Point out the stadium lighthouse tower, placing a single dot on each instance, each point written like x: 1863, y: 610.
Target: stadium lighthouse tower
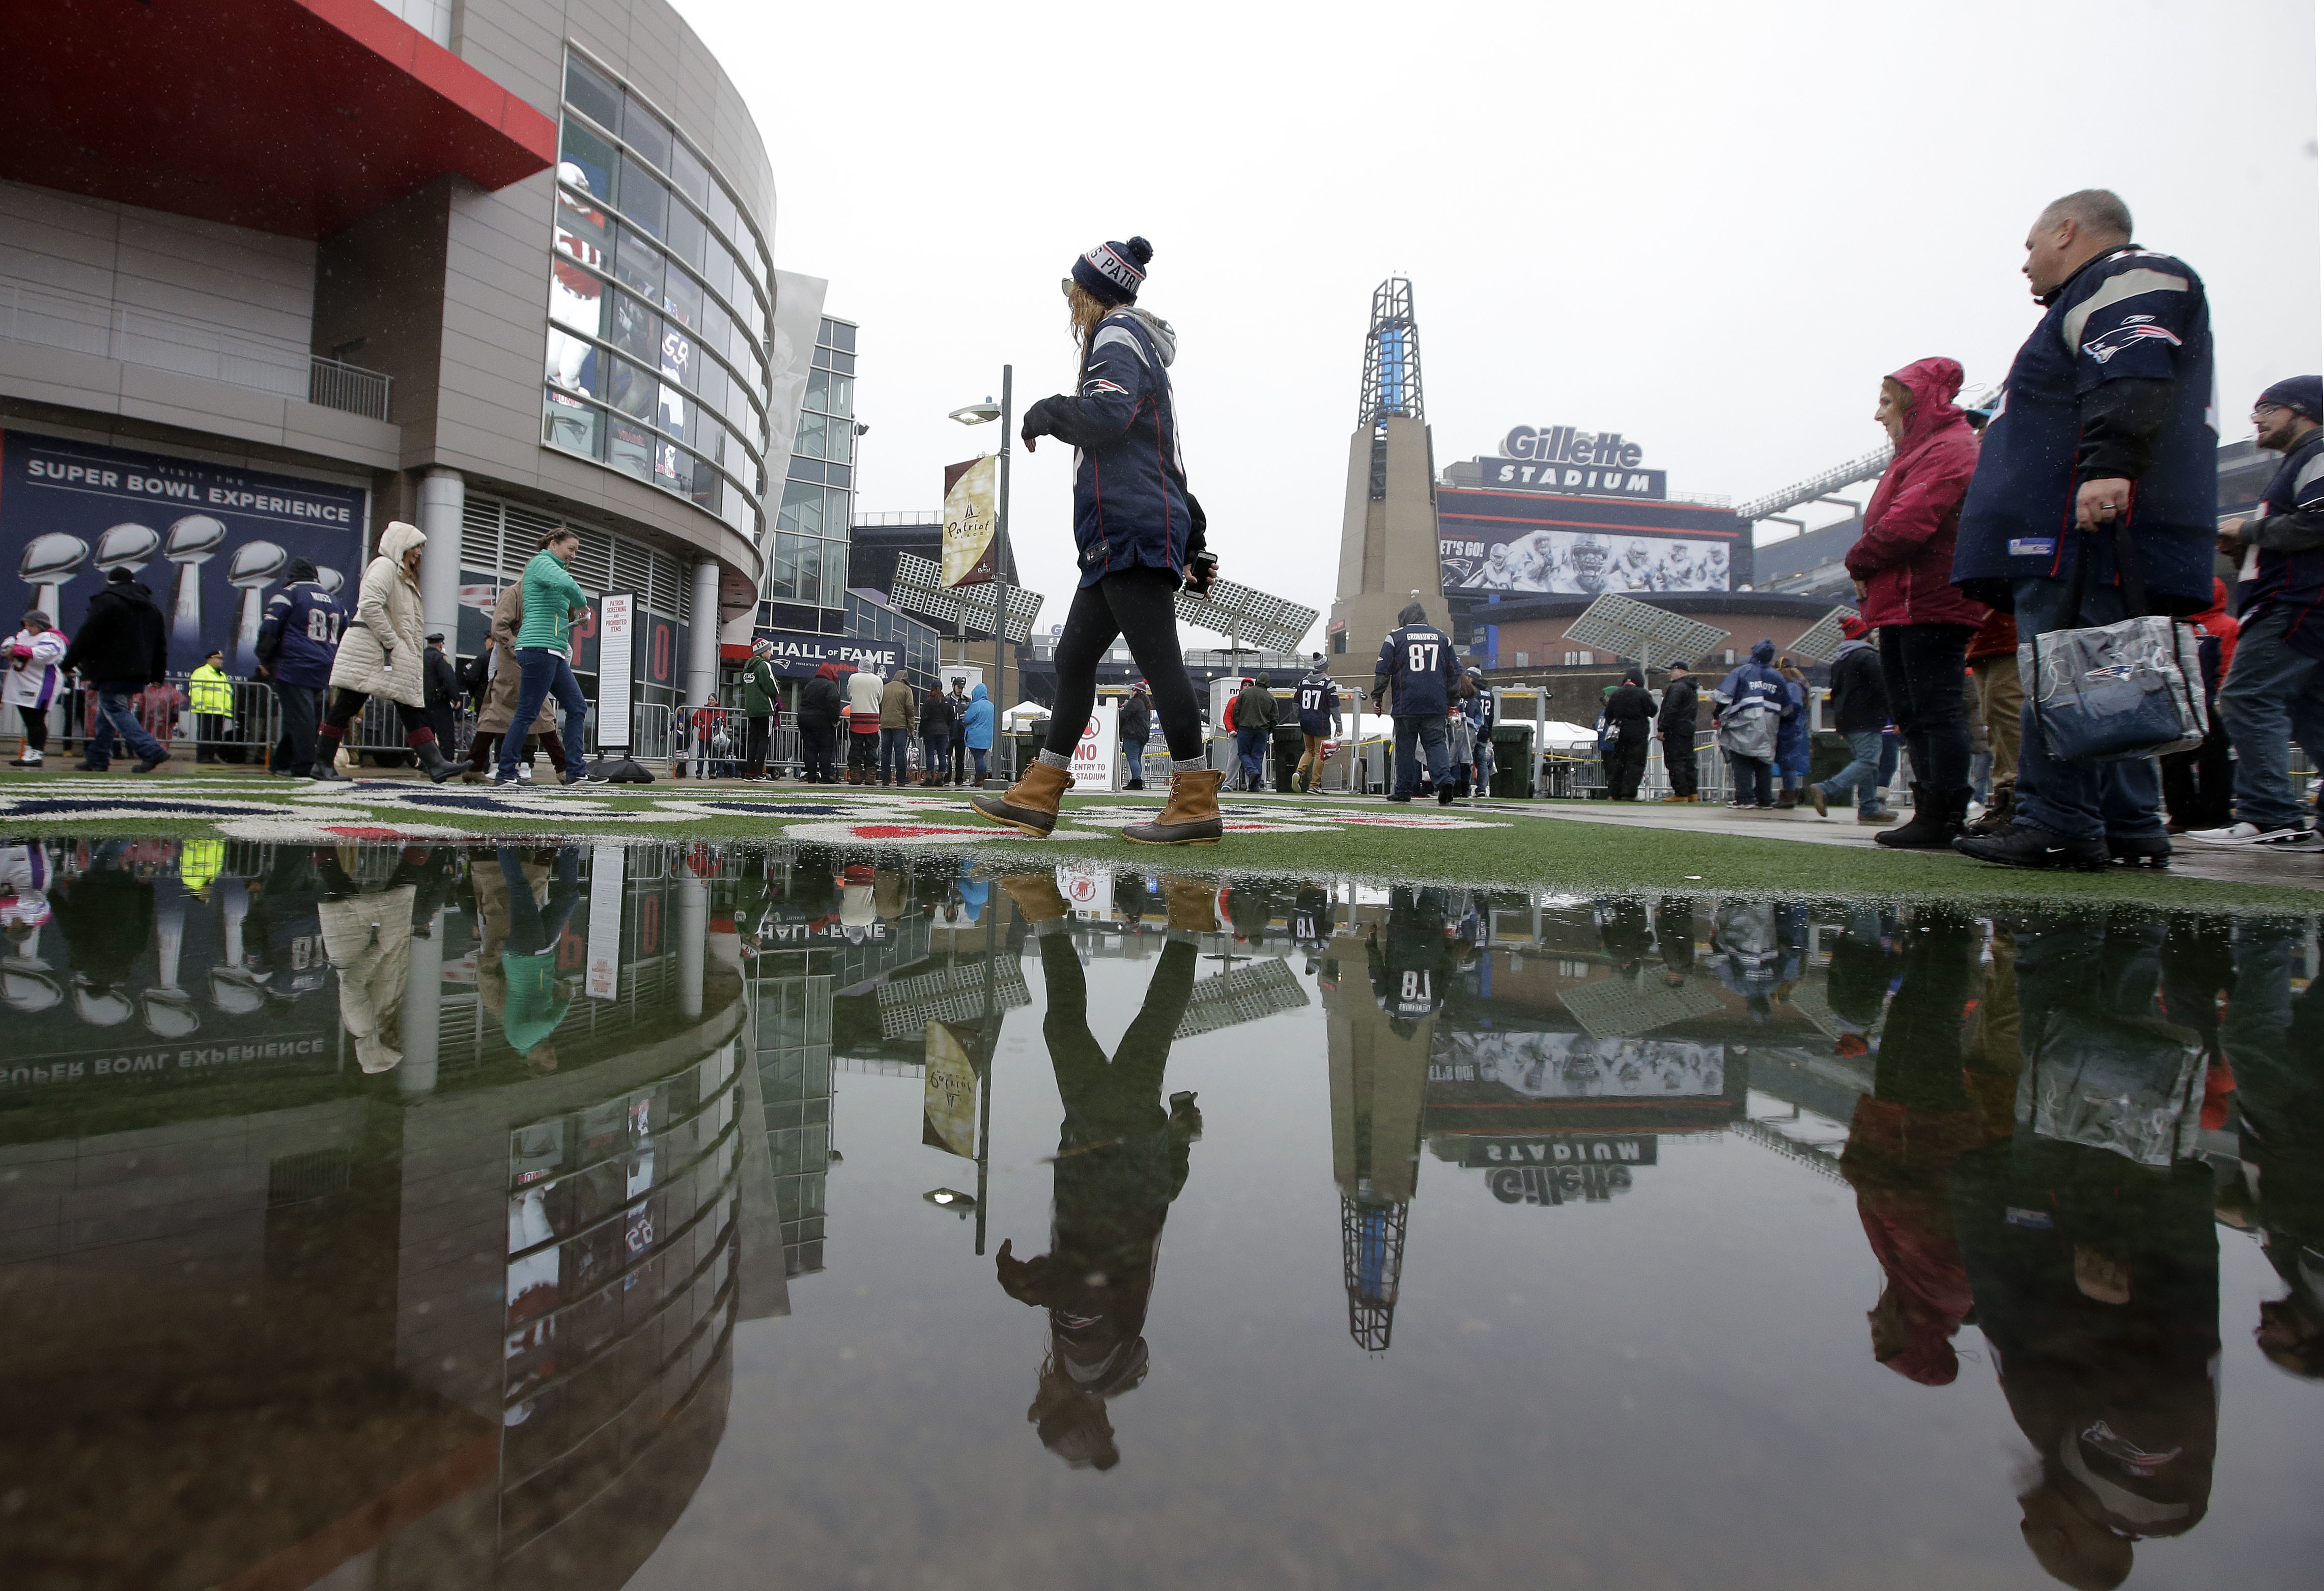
x: 1388, y: 536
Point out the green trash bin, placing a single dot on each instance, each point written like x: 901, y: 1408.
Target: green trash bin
x: 1512, y: 761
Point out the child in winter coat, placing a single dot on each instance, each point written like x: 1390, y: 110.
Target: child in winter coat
x: 35, y: 653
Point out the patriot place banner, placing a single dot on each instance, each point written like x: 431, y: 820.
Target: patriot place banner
x: 970, y: 518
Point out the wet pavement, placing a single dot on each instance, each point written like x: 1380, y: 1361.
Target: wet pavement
x: 702, y: 1216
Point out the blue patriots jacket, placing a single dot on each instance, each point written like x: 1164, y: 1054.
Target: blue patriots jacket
x: 1418, y: 661
x: 1130, y: 506
x: 300, y: 634
x: 2287, y: 535
x: 1317, y: 698
x: 2131, y: 312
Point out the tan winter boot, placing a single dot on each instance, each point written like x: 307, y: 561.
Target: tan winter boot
x: 1191, y: 817
x: 1031, y: 803
x: 1035, y: 894
x: 1192, y: 903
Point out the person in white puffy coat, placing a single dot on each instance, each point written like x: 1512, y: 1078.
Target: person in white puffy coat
x: 33, y: 658
x: 382, y: 654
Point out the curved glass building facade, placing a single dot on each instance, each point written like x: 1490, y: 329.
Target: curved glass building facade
x: 661, y: 292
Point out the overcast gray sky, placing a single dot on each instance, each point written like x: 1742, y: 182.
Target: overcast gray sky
x: 1710, y: 227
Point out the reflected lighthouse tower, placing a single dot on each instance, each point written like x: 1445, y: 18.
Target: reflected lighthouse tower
x: 1379, y: 1088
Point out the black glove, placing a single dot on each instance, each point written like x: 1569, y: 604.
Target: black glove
x: 1041, y: 421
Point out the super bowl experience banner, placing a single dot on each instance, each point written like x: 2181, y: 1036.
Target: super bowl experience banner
x: 1586, y: 563
x: 209, y: 541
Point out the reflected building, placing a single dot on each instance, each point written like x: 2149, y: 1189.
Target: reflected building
x: 1384, y: 981
x: 283, y: 1309
x: 1578, y: 1037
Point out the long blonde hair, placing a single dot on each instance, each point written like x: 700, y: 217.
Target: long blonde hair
x: 1084, y: 311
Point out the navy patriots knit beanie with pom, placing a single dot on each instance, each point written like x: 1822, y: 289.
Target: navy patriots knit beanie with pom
x: 1112, y: 273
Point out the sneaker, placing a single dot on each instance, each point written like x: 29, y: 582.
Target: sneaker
x: 1883, y: 816
x: 2022, y: 845
x: 584, y: 776
x: 2144, y: 850
x: 1444, y: 796
x: 515, y: 779
x: 150, y: 763
x: 523, y: 775
x: 1823, y: 806
x: 32, y: 759
x: 2252, y: 834
x: 1401, y: 800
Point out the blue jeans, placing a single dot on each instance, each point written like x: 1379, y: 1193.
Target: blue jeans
x: 936, y: 755
x: 1862, y: 774
x: 542, y: 674
x: 2273, y: 695
x: 116, y: 714
x: 2080, y: 800
x: 979, y: 753
x: 1250, y: 752
x: 1889, y: 743
x: 895, y: 748
x: 1419, y: 734
x: 1134, y: 753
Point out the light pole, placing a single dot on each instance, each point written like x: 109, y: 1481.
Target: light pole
x: 977, y: 414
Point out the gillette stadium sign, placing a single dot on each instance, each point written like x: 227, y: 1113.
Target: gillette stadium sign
x: 1571, y: 460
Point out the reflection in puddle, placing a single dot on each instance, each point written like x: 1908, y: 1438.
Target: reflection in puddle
x: 466, y: 1216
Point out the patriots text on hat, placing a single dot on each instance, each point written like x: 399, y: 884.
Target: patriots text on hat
x: 1114, y: 272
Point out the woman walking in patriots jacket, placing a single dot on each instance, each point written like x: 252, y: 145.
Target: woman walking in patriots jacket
x: 1138, y: 534
x: 1903, y: 566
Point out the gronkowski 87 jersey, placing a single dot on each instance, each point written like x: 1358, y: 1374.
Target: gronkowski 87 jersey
x: 1419, y: 665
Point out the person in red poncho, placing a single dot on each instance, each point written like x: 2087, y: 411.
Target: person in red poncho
x: 1902, y: 566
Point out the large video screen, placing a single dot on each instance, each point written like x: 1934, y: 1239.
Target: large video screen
x: 1585, y: 563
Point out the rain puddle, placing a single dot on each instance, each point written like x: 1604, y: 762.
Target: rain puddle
x: 697, y: 1216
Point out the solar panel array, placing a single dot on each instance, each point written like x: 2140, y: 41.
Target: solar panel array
x: 1268, y: 623
x: 1241, y: 994
x: 1820, y: 642
x: 950, y: 993
x: 1631, y: 629
x: 919, y: 589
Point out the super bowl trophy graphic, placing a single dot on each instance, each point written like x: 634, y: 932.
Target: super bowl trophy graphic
x: 193, y: 541
x: 168, y: 1011
x: 253, y: 569
x: 127, y: 546
x: 48, y: 562
x: 330, y: 579
x: 233, y: 990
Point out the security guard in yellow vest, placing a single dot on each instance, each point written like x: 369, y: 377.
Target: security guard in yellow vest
x: 212, y: 698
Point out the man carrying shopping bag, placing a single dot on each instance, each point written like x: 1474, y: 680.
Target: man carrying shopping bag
x: 2102, y: 442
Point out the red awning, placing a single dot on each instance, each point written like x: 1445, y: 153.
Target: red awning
x: 289, y: 116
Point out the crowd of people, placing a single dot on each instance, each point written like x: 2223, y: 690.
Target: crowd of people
x: 879, y: 718
x: 2081, y: 496
x: 322, y: 665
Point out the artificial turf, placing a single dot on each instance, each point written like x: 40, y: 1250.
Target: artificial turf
x: 1529, y: 852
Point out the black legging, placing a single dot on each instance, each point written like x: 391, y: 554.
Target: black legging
x: 1921, y: 666
x: 1137, y: 606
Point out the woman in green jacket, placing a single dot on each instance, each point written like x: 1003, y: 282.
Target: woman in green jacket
x: 551, y: 598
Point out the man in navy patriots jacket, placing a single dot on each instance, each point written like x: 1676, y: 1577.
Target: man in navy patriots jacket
x: 2274, y: 690
x: 2105, y: 421
x: 1418, y: 664
x: 297, y: 642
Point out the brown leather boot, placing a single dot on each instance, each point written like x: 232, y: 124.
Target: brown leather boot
x: 1192, y: 903
x: 1031, y: 803
x: 1191, y: 815
x: 1035, y: 894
